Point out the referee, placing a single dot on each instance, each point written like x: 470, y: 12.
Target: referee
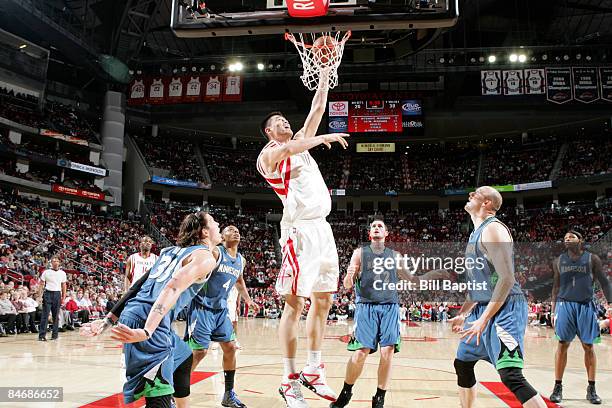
x: 55, y: 292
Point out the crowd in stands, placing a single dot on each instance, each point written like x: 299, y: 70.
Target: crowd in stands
x: 588, y: 156
x: 172, y: 154
x: 512, y: 162
x: 50, y: 175
x: 61, y: 118
x: 93, y: 249
x: 428, y: 166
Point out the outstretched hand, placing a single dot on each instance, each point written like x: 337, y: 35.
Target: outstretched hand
x: 124, y: 334
x: 457, y: 323
x: 335, y: 137
x: 478, y: 327
x: 95, y: 328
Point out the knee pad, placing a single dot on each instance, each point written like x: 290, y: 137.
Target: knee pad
x: 514, y: 380
x: 465, y: 373
x: 182, y: 378
x: 165, y: 401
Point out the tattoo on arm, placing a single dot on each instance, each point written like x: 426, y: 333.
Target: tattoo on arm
x: 159, y: 309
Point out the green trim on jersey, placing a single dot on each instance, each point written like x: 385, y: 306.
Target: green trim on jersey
x: 155, y: 388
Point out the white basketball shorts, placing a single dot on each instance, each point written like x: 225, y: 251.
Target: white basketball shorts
x: 310, y: 259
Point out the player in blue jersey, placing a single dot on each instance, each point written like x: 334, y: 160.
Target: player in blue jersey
x: 574, y: 311
x: 209, y: 315
x: 377, y: 316
x: 158, y: 362
x: 494, y: 317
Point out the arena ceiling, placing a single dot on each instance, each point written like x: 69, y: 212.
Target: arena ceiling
x: 137, y: 31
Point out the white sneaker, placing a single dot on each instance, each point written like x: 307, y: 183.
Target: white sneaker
x: 313, y: 378
x: 291, y: 392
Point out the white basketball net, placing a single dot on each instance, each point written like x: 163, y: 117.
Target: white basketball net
x: 319, y: 59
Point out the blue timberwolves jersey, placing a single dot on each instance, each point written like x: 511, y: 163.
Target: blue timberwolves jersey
x: 576, y: 278
x: 367, y: 289
x: 169, y: 262
x: 483, y: 272
x: 222, y: 279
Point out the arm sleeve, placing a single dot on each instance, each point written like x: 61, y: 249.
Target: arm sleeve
x: 131, y: 292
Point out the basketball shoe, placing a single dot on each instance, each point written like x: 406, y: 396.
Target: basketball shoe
x: 313, y: 378
x: 291, y: 392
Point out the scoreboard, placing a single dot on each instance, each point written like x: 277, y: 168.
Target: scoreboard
x: 371, y: 116
x: 375, y: 116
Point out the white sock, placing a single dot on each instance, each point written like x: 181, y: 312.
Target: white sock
x: 314, y: 358
x: 290, y: 367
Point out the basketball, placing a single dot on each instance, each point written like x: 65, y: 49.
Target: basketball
x: 324, y: 48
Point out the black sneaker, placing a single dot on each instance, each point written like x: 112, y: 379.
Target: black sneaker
x: 343, y: 399
x: 557, y: 394
x: 378, y: 402
x: 592, y: 395
x: 54, y: 337
x: 42, y: 339
x: 231, y: 400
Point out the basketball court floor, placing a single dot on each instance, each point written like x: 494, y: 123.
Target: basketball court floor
x: 90, y: 374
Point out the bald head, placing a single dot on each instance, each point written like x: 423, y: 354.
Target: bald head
x: 492, y: 195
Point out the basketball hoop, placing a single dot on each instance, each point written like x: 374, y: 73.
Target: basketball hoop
x: 322, y: 54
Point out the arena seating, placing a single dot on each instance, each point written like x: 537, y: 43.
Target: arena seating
x: 175, y: 155
x: 588, y: 156
x: 56, y: 116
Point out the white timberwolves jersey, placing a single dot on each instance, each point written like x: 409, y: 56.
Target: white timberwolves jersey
x: 298, y: 183
x: 138, y: 90
x: 213, y: 87
x: 157, y: 89
x: 176, y: 88
x: 193, y: 86
x: 140, y: 266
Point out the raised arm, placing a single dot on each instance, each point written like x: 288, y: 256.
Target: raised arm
x: 317, y: 109
x: 272, y: 156
x: 353, y: 270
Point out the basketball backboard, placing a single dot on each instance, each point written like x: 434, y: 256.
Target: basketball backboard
x: 194, y: 18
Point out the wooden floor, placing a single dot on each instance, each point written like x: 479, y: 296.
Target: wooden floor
x: 89, y: 370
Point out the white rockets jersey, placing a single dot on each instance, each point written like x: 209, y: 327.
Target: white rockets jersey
x: 176, y: 88
x: 157, y: 89
x: 213, y: 87
x: 193, y: 87
x: 232, y: 85
x: 140, y: 266
x: 232, y: 298
x: 298, y: 183
x: 138, y: 90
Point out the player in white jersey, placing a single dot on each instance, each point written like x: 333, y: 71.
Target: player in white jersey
x: 140, y: 262
x: 310, y: 261
x: 233, y: 301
